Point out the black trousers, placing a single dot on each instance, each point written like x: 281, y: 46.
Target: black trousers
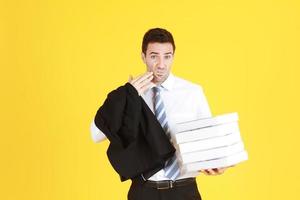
x: 138, y: 191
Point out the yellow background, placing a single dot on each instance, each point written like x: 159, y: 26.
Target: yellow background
x: 60, y: 58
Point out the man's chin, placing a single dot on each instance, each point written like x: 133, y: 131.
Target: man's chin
x: 159, y: 79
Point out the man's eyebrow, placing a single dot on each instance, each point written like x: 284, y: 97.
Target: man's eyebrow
x: 158, y: 53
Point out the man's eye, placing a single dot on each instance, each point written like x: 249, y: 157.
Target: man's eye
x: 167, y: 57
x: 152, y: 57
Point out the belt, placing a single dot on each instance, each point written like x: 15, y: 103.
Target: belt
x: 167, y: 184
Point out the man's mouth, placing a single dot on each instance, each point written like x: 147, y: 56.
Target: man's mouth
x: 160, y: 74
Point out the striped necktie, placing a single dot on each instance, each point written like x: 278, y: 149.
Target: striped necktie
x: 171, y: 168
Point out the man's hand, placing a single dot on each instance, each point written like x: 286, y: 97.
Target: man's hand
x: 142, y: 82
x: 215, y: 171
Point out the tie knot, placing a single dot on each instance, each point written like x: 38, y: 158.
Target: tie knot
x: 157, y: 89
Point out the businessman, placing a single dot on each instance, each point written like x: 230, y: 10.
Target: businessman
x: 172, y: 100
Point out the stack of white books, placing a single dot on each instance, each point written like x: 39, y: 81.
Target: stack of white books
x: 209, y: 143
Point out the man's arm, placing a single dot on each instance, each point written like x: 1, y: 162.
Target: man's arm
x: 141, y: 83
x: 97, y: 134
x: 203, y: 106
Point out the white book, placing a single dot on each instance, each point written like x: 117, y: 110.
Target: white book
x: 209, y: 143
x: 222, y: 162
x: 207, y: 132
x: 211, y: 153
x: 205, y: 122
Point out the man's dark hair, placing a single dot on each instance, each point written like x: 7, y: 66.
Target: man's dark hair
x: 157, y: 35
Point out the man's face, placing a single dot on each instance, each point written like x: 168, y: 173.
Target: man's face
x: 159, y: 59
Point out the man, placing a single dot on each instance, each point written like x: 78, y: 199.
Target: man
x: 179, y: 100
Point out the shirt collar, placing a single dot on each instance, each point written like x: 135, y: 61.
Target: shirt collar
x: 169, y: 82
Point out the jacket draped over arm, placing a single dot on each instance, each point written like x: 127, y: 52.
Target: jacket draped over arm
x: 138, y: 143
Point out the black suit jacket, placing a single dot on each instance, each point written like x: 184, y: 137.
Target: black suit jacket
x: 138, y: 143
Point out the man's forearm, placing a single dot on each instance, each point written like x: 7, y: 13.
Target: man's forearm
x: 96, y: 134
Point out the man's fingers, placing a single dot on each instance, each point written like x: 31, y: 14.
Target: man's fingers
x: 203, y: 171
x: 214, y: 171
x: 208, y: 172
x: 146, y: 87
x: 141, y: 85
x: 211, y: 171
x: 146, y: 81
x: 146, y: 76
x: 135, y: 79
x: 142, y: 82
x: 141, y: 77
x: 219, y: 170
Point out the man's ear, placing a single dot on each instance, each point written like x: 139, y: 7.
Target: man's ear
x: 143, y: 57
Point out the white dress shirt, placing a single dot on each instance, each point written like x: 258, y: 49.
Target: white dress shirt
x: 183, y: 100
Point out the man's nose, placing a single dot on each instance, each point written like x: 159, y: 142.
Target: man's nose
x: 160, y: 63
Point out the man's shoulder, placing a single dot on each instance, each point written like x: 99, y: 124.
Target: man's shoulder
x: 181, y: 83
